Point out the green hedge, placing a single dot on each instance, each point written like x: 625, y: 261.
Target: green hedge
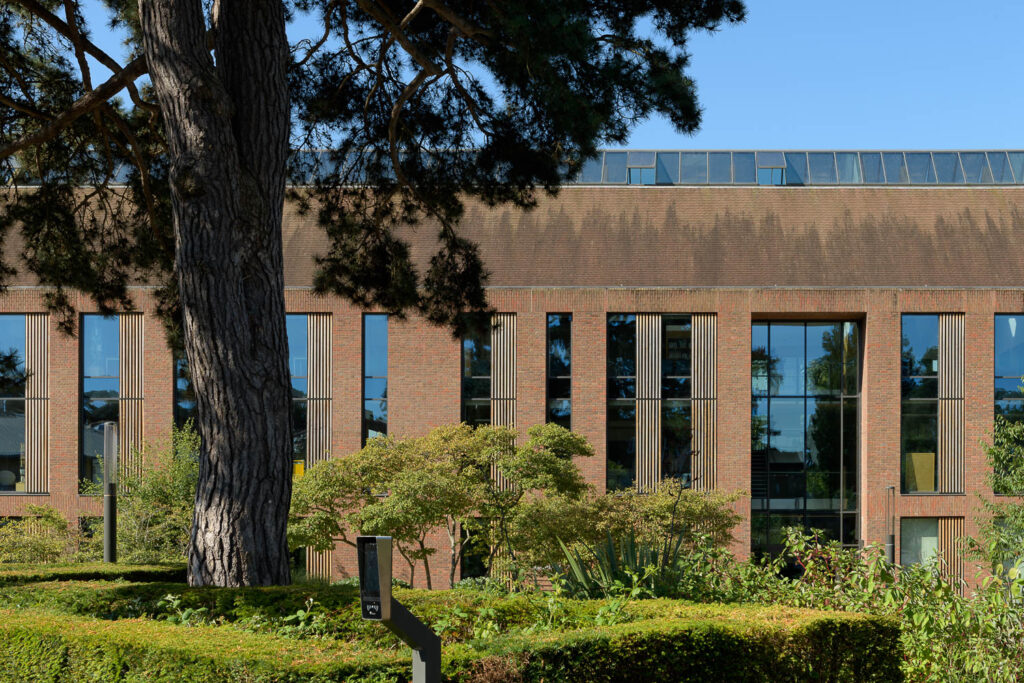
x: 48, y: 647
x: 22, y: 574
x: 829, y: 648
x: 713, y: 643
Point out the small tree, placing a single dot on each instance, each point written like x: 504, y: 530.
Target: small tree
x: 543, y: 466
x: 409, y: 488
x: 1003, y: 531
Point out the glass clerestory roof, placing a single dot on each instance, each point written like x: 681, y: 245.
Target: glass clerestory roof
x: 803, y: 168
x: 677, y: 167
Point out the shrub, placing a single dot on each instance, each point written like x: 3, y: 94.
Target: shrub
x: 155, y: 504
x: 669, y: 516
x: 15, y: 575
x: 662, y: 640
x: 44, y: 537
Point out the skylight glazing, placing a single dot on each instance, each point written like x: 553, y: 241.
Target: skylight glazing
x: 652, y: 167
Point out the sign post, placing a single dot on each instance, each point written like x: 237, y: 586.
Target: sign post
x: 377, y: 604
x: 110, y: 492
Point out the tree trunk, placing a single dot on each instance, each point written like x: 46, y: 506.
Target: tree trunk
x: 227, y: 132
x: 426, y: 565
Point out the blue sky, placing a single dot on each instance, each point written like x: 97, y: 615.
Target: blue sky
x: 821, y: 74
x: 870, y: 74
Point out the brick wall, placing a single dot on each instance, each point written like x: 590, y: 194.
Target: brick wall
x: 424, y: 381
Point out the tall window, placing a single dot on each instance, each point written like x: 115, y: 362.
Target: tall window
x: 375, y: 375
x: 184, y: 394
x: 12, y: 403
x: 560, y: 369
x: 100, y: 339
x: 920, y: 403
x: 1009, y: 366
x: 298, y: 368
x: 476, y: 372
x: 805, y: 392
x: 621, y: 466
x: 676, y: 390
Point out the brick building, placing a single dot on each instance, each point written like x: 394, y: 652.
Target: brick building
x: 830, y: 332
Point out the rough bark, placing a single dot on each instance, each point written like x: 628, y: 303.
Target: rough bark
x: 227, y: 134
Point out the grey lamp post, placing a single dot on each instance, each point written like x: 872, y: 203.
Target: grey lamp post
x: 110, y: 492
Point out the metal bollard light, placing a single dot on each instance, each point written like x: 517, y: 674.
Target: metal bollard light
x: 377, y: 604
x: 110, y: 492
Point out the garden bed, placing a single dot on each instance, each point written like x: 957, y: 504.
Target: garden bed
x: 98, y: 629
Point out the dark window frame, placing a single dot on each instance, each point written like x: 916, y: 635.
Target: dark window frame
x: 364, y: 423
x: 846, y: 516
x: 916, y: 379
x: 566, y: 319
x: 21, y: 399
x: 83, y: 470
x: 479, y: 327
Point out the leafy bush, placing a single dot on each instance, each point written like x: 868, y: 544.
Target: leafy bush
x: 23, y: 574
x: 44, y: 537
x: 155, y: 503
x: 672, y: 514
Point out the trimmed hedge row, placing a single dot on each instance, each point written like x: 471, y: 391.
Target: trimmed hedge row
x: 827, y: 649
x: 720, y: 644
x: 57, y: 648
x: 22, y: 574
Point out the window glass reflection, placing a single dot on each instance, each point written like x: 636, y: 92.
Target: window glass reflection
x: 476, y: 371
x: 694, y: 168
x: 796, y: 168
x: 919, y: 167
x: 823, y: 168
x: 848, y: 165
x: 947, y: 167
x: 13, y: 379
x: 895, y: 168
x: 559, y: 368
x: 871, y: 163
x: 976, y: 169
x: 100, y: 345
x: 375, y: 375
x: 804, y: 419
x: 720, y: 167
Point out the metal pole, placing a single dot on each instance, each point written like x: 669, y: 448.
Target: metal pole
x: 425, y: 644
x: 110, y: 492
x: 890, y: 510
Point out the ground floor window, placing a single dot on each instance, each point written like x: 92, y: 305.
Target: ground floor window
x: 805, y: 392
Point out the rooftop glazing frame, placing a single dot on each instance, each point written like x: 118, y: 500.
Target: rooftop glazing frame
x: 777, y: 167
x: 797, y: 168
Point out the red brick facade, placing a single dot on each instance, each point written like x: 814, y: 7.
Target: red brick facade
x: 424, y: 361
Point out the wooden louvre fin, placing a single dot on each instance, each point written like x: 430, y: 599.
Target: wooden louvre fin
x: 951, y: 561
x: 318, y: 405
x: 648, y: 403
x: 951, y: 408
x: 37, y: 394
x: 130, y: 371
x: 318, y: 564
x: 503, y: 375
x: 705, y: 407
